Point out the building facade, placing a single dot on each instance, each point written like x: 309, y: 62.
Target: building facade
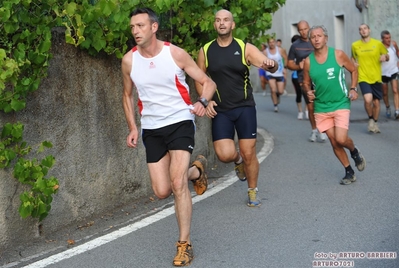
x: 341, y: 18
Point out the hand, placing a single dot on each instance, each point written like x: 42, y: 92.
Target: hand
x: 210, y: 111
x: 270, y: 65
x: 132, y: 138
x: 198, y: 109
x: 311, y: 95
x: 383, y: 58
x: 353, y: 95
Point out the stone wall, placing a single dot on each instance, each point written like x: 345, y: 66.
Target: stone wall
x: 78, y: 108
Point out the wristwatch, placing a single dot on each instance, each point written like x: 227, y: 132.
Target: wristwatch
x: 353, y: 88
x: 203, y: 101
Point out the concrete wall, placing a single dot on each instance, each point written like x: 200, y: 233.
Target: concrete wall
x: 383, y: 15
x: 78, y: 108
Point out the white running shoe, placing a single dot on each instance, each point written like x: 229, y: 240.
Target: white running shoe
x: 307, y: 114
x: 322, y: 136
x: 300, y: 115
x: 371, y: 125
x: 313, y: 136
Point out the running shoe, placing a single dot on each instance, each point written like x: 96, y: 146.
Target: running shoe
x: 276, y: 109
x: 252, y: 199
x: 313, y: 136
x: 397, y: 114
x: 200, y: 184
x: 360, y: 161
x: 240, y: 172
x: 184, y: 254
x: 388, y: 112
x: 306, y: 114
x: 300, y: 115
x: 371, y: 125
x: 348, y: 179
x: 322, y: 136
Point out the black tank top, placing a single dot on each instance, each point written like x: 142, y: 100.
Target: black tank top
x: 228, y: 68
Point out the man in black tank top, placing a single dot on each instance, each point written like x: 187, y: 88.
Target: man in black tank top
x: 227, y: 61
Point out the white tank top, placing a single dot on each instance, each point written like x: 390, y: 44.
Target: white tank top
x: 390, y: 67
x: 277, y: 57
x: 163, y: 94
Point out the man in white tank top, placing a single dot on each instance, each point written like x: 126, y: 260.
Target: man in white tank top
x: 157, y: 70
x: 276, y: 80
x: 390, y: 73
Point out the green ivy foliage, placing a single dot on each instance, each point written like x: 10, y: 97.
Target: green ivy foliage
x: 97, y: 26
x: 36, y: 201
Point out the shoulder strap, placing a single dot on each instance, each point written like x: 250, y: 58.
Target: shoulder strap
x: 242, y: 45
x: 205, y: 48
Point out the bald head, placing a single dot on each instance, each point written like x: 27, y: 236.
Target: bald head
x: 223, y: 13
x: 302, y: 23
x: 303, y: 29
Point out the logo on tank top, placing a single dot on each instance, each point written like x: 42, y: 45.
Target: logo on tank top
x: 236, y: 53
x: 152, y: 65
x: 330, y: 72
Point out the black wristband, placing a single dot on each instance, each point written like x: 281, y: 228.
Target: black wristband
x: 203, y: 101
x: 353, y: 88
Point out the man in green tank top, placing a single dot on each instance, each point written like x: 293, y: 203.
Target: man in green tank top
x: 325, y: 68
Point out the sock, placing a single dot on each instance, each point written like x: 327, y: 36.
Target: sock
x: 349, y: 170
x: 239, y: 161
x: 389, y: 106
x: 354, y: 151
x: 375, y: 120
x: 256, y: 189
x: 371, y: 117
x: 314, y: 130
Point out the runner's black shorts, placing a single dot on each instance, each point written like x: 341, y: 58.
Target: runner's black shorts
x: 387, y: 79
x: 178, y: 136
x: 241, y: 119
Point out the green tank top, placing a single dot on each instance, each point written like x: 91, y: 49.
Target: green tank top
x: 329, y: 83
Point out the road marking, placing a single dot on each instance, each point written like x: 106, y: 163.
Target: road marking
x: 223, y: 183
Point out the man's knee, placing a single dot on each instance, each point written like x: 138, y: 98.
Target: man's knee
x: 248, y: 153
x: 225, y: 158
x: 162, y: 193
x: 341, y: 141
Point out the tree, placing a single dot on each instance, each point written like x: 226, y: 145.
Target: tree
x: 103, y: 25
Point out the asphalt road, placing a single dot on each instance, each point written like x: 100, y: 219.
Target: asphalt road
x: 307, y: 218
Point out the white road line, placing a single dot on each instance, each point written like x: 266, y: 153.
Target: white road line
x: 224, y: 182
